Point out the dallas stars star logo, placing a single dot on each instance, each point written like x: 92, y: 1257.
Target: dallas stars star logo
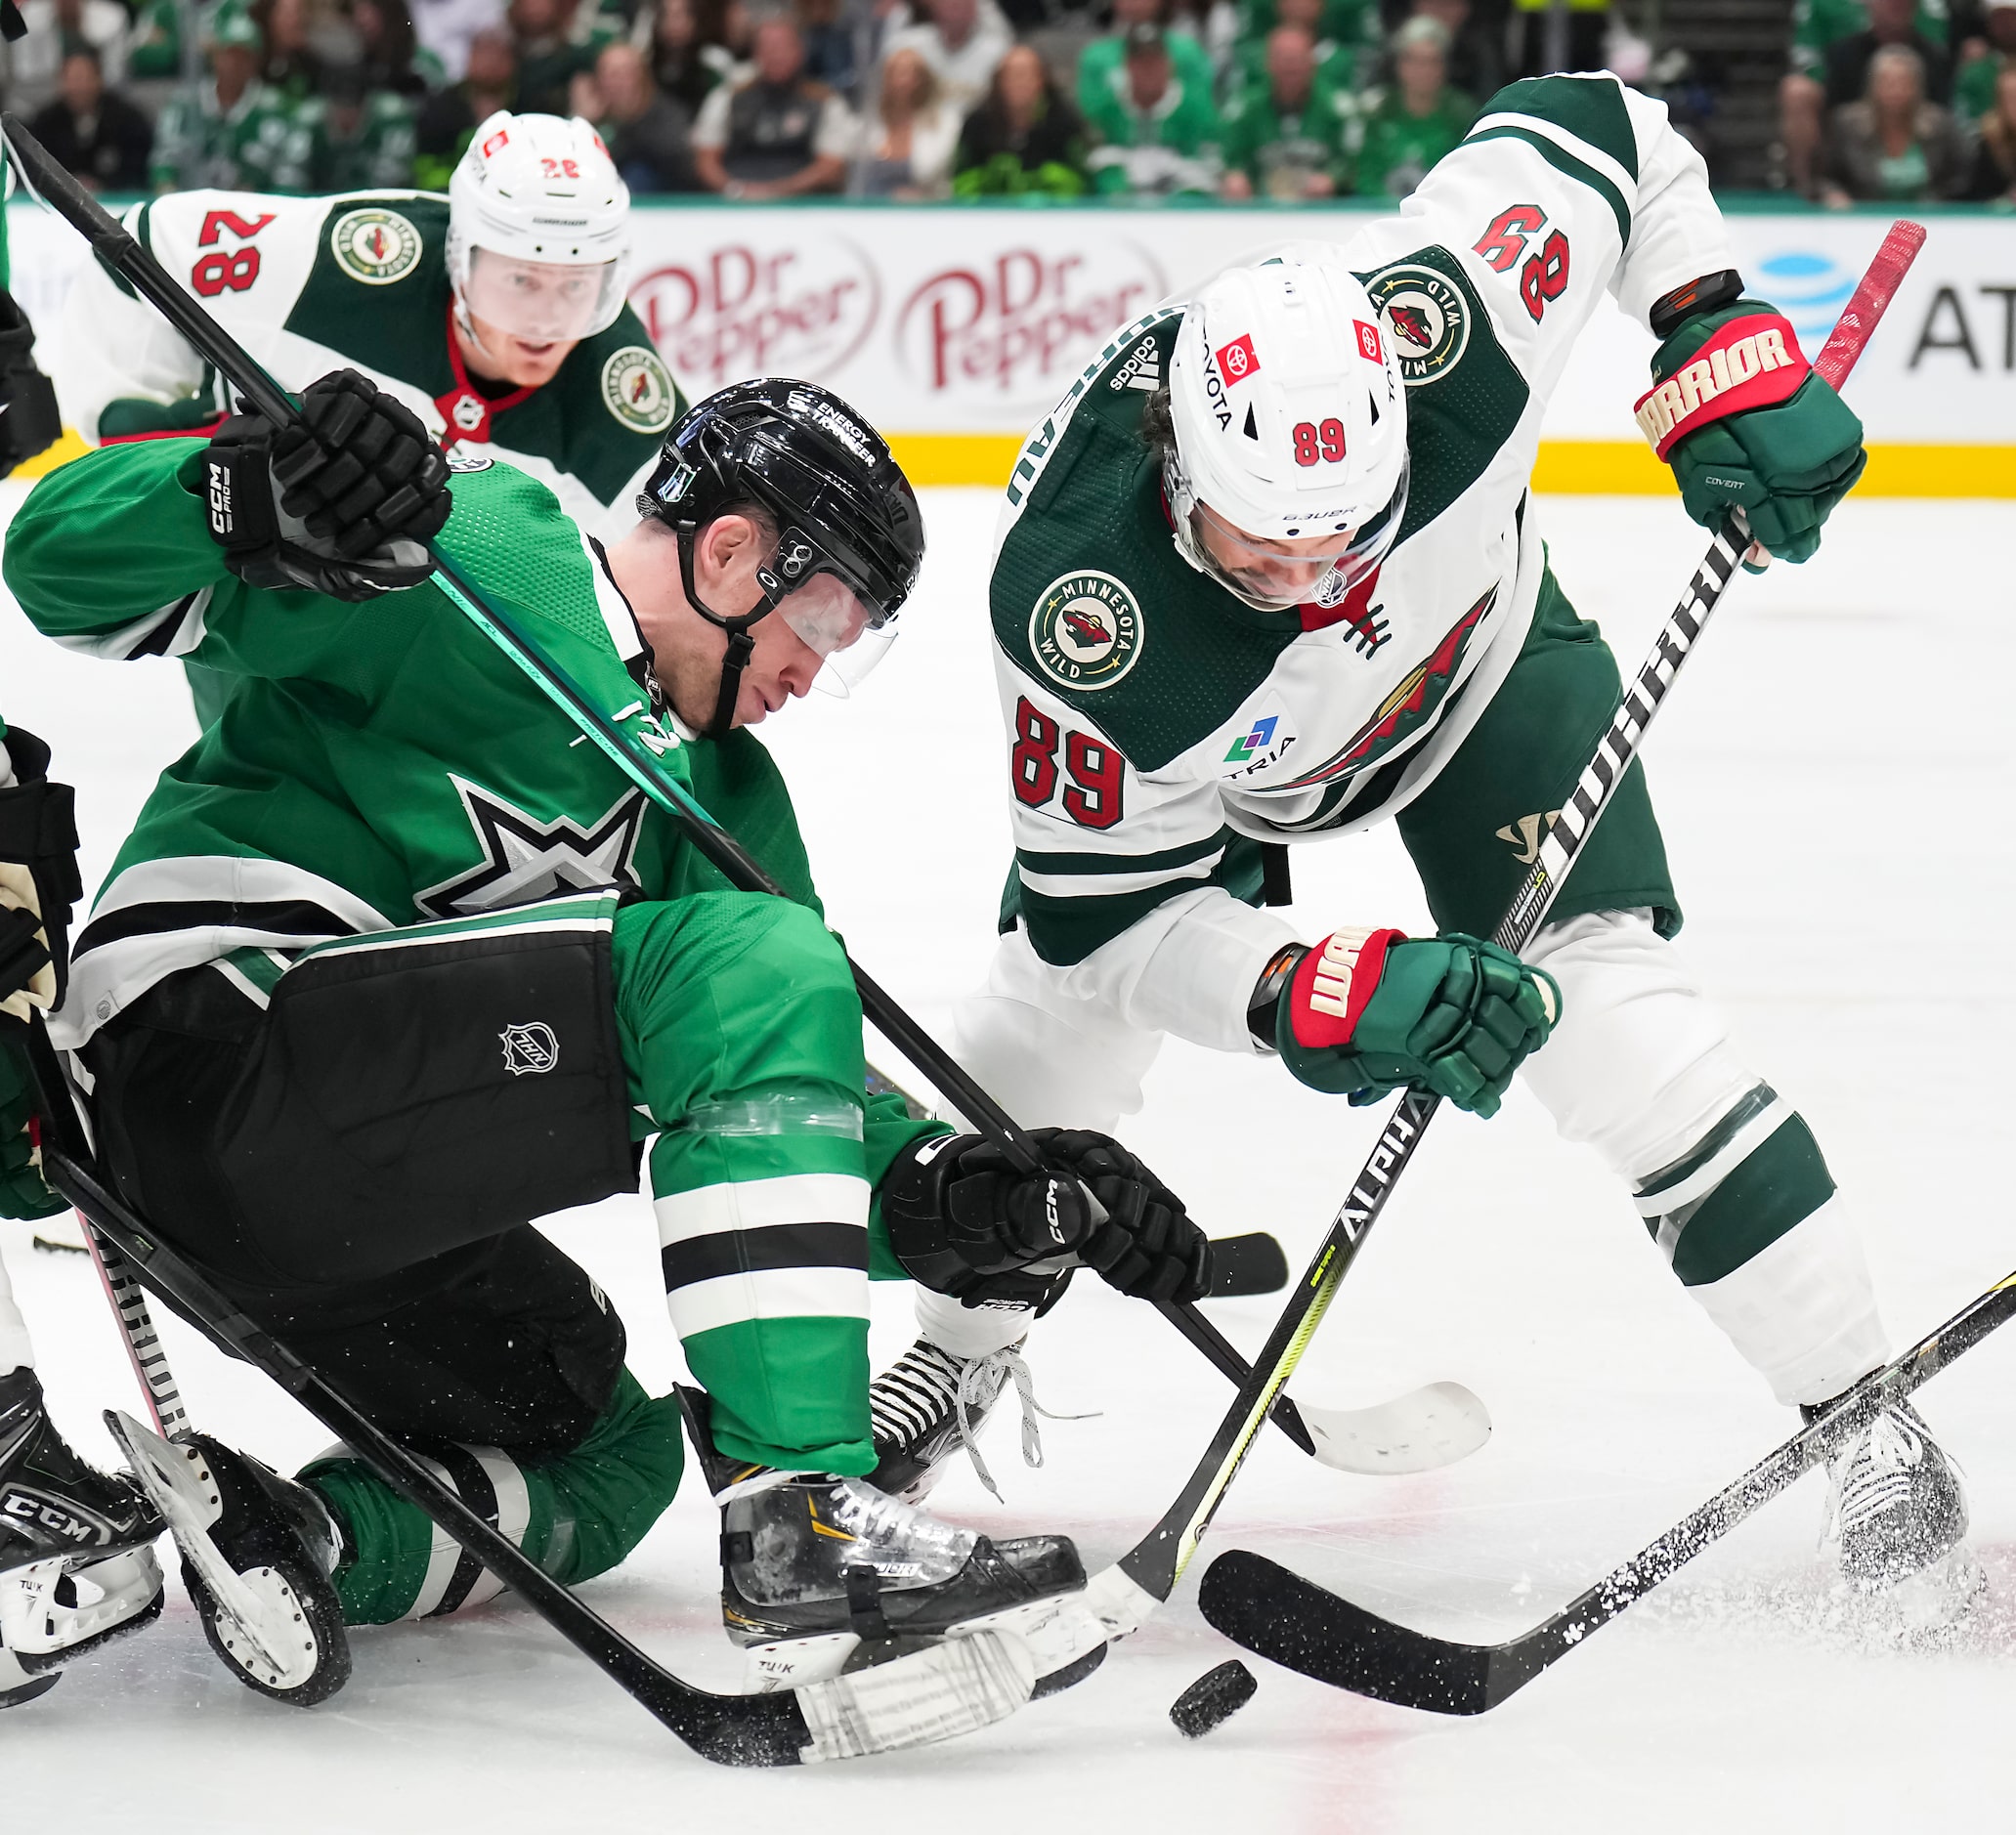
x: 525, y: 859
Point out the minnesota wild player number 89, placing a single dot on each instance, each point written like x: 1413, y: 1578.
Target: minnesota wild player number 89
x: 1092, y: 798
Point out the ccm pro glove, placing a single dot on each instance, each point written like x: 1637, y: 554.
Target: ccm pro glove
x: 1370, y: 1011
x: 964, y: 1221
x: 342, y: 501
x: 1746, y: 423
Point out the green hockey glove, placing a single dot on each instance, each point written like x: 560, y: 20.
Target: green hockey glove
x: 1369, y: 1012
x: 23, y: 1191
x: 1746, y: 423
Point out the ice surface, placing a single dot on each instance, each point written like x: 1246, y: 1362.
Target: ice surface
x: 1834, y: 779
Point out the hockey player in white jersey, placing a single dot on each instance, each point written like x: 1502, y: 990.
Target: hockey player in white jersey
x: 1270, y: 572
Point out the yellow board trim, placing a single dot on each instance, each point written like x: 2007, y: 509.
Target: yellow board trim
x: 1600, y: 468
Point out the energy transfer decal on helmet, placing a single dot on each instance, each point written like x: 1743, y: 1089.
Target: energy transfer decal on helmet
x: 1428, y: 320
x: 1086, y: 630
x: 639, y: 389
x: 375, y: 246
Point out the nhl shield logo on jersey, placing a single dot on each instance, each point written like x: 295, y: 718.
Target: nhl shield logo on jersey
x: 1427, y: 318
x: 639, y: 389
x: 530, y: 1050
x: 1086, y: 630
x: 375, y: 246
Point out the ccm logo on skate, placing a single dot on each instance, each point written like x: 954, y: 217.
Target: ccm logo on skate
x: 23, y: 1506
x: 530, y: 1050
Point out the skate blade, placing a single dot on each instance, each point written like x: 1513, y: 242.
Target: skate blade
x: 959, y: 1685
x: 179, y: 1482
x: 41, y: 1632
x: 797, y: 1662
x: 17, y: 1686
x: 1426, y: 1429
x: 1938, y: 1596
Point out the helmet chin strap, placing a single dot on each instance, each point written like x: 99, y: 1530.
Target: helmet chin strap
x: 742, y: 642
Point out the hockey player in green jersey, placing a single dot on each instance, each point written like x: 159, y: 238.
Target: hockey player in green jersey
x: 394, y: 964
x: 1270, y: 573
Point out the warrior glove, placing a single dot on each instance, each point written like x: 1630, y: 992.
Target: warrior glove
x: 964, y: 1221
x: 38, y: 885
x: 1746, y: 423
x: 1369, y: 1012
x: 342, y: 501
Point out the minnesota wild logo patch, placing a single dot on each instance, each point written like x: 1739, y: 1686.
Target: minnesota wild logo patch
x: 639, y: 389
x: 375, y: 246
x: 1086, y: 630
x: 1428, y: 319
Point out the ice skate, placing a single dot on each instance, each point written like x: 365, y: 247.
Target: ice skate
x: 257, y: 1552
x: 932, y: 1403
x: 821, y: 1574
x: 1897, y: 1516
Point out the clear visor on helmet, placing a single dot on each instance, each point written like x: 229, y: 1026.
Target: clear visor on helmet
x: 541, y: 302
x: 831, y: 621
x: 1274, y: 574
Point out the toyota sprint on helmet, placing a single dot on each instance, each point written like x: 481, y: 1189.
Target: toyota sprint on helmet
x: 539, y: 235
x: 850, y: 536
x: 1287, y: 480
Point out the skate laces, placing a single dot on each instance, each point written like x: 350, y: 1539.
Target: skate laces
x: 1876, y: 1474
x: 927, y: 1382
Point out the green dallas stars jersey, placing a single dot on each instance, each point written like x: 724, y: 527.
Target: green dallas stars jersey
x: 311, y: 284
x: 379, y: 764
x: 1158, y: 726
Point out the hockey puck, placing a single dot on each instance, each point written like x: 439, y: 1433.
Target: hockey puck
x: 1216, y: 1695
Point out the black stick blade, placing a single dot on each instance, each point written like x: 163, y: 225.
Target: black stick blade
x: 1277, y: 1614
x: 1242, y: 1266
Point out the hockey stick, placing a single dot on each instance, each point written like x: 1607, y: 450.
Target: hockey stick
x: 1125, y: 1593
x: 954, y: 1688
x: 626, y: 747
x: 1264, y: 1606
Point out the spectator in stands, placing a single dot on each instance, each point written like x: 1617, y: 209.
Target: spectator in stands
x: 1894, y: 145
x: 1101, y: 71
x: 1550, y: 35
x: 1832, y: 44
x: 778, y: 135
x: 1475, y: 57
x: 388, y: 54
x: 1027, y: 137
x: 446, y: 29
x: 1159, y: 135
x: 907, y: 144
x: 1346, y: 34
x: 962, y: 47
x: 1994, y: 176
x: 827, y: 30
x: 449, y: 121
x: 1987, y: 57
x: 1290, y: 138
x: 290, y: 70
x: 1415, y: 120
x: 234, y: 134
x: 556, y: 41
x: 648, y: 134
x: 678, y: 56
x: 94, y: 132
x: 1337, y: 66
x: 55, y: 28
x: 360, y: 139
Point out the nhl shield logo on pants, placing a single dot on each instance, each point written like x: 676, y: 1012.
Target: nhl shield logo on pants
x: 530, y: 1049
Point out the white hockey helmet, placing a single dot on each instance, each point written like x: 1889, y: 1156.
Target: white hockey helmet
x: 539, y: 198
x: 1290, y: 418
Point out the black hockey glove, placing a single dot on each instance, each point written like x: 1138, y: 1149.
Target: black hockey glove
x: 38, y: 881
x: 30, y: 421
x: 964, y: 1221
x: 341, y: 502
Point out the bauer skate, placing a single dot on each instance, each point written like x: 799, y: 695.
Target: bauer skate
x: 822, y: 1574
x: 257, y: 1553
x: 76, y: 1568
x: 1898, y: 1516
x: 932, y: 1403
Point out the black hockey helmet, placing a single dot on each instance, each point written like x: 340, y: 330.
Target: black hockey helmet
x: 841, y: 504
